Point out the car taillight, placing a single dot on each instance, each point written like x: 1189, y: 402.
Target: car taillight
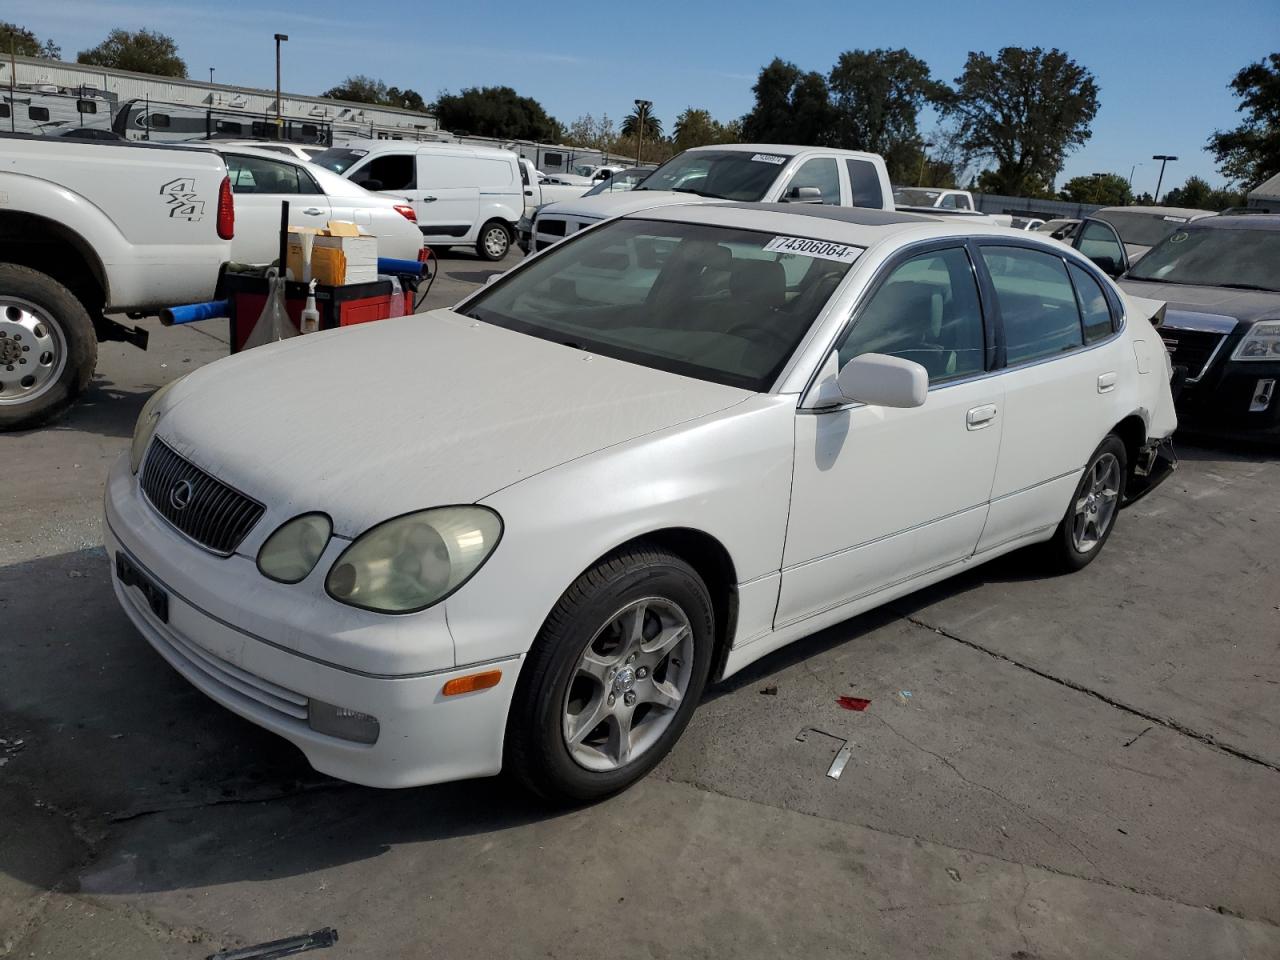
x: 226, y: 211
x: 406, y: 211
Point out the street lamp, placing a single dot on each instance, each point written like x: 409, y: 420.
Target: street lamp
x: 1163, y: 158
x: 1131, y: 172
x: 280, y: 37
x: 211, y: 74
x: 923, y: 156
x: 642, y: 110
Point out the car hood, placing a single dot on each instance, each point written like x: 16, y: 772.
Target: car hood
x: 373, y: 421
x: 605, y: 205
x: 1242, y: 305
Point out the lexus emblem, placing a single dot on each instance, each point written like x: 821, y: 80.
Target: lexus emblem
x: 180, y: 494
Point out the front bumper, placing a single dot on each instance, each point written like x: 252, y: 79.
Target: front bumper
x: 424, y: 737
x: 1230, y: 401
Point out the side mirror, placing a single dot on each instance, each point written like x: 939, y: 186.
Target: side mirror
x: 883, y: 381
x: 374, y: 185
x: 803, y: 195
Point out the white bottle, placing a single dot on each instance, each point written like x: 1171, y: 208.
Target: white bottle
x: 310, y: 315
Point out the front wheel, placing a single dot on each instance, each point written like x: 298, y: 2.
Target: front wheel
x: 612, y: 677
x: 1091, y: 515
x: 494, y: 242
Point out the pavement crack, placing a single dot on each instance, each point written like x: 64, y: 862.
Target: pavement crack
x: 129, y: 815
x: 1017, y: 907
x: 1168, y: 723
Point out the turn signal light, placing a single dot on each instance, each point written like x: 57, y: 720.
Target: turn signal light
x: 472, y: 682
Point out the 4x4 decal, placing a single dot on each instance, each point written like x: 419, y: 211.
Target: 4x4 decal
x: 181, y: 197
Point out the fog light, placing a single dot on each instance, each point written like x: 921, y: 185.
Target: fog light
x: 341, y: 722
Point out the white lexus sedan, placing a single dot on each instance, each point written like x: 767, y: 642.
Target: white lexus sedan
x: 637, y: 462
x: 261, y: 179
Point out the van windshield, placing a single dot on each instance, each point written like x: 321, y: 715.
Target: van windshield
x: 722, y: 174
x: 339, y: 159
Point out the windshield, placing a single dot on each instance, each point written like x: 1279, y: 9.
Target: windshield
x: 1141, y: 229
x: 714, y: 303
x: 339, y: 159
x: 913, y: 197
x: 1215, y: 258
x: 723, y: 174
x: 619, y: 182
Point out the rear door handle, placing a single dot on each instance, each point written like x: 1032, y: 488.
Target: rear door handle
x: 980, y: 417
x: 313, y: 211
x: 1106, y: 382
x: 429, y: 199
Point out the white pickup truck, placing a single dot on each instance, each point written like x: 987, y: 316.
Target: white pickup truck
x: 90, y: 227
x: 741, y: 172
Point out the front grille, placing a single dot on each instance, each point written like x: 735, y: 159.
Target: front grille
x: 552, y: 228
x: 204, y: 508
x: 1191, y: 349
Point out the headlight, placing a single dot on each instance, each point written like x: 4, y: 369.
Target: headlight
x: 146, y: 426
x: 291, y: 552
x: 1260, y: 343
x: 409, y: 563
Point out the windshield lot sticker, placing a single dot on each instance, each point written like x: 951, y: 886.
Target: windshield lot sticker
x: 813, y: 248
x: 768, y: 158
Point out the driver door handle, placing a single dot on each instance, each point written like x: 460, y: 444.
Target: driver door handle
x: 980, y: 417
x: 429, y: 199
x: 313, y: 211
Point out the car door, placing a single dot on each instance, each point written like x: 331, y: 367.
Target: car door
x: 450, y: 195
x: 393, y: 173
x: 1101, y: 243
x: 1060, y: 374
x: 260, y: 185
x: 881, y: 496
x: 822, y: 173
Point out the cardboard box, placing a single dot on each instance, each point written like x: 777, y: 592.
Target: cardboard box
x: 339, y: 254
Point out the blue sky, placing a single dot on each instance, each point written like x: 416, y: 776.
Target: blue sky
x: 1162, y: 65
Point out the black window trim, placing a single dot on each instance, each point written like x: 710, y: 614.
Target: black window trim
x: 1118, y: 317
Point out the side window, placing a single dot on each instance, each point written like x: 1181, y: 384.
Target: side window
x: 37, y: 113
x: 393, y: 171
x: 260, y: 175
x: 1037, y: 302
x: 86, y: 106
x: 820, y: 172
x: 926, y: 310
x: 949, y: 202
x: 864, y: 183
x: 524, y: 174
x: 1098, y: 240
x: 1094, y: 308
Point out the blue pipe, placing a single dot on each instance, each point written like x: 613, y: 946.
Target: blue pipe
x: 391, y: 265
x: 195, y: 311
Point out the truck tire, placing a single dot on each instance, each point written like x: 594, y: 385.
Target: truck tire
x: 48, y: 347
x: 494, y: 242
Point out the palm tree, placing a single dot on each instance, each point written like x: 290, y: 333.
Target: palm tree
x: 652, y: 125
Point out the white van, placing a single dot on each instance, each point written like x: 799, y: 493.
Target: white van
x: 462, y: 195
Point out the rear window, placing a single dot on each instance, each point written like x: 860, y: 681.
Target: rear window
x: 714, y: 303
x: 339, y: 159
x: 864, y: 182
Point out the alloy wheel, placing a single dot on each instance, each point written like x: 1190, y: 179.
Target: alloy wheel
x: 1096, y: 508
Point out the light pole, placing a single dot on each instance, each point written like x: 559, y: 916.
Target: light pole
x: 211, y: 74
x: 642, y: 110
x: 923, y: 156
x: 1131, y: 172
x: 1163, y: 158
x: 280, y: 37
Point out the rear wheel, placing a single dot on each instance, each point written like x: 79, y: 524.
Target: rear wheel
x: 494, y: 242
x: 612, y: 678
x: 48, y: 347
x: 1091, y: 515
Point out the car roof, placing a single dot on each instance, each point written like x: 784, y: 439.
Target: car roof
x: 790, y: 149
x: 858, y: 226
x: 1251, y: 221
x: 434, y: 146
x: 1159, y: 211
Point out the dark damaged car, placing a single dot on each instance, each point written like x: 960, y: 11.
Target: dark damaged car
x: 1221, y: 279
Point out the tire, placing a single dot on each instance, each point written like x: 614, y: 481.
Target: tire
x: 494, y: 242
x: 1094, y: 507
x: 559, y: 693
x: 48, y: 347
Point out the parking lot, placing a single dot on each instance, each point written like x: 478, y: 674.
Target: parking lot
x: 1048, y: 766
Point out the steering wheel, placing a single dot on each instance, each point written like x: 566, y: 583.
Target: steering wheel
x: 750, y: 328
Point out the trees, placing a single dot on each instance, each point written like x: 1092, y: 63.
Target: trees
x: 652, y: 125
x: 23, y: 42
x: 1107, y: 189
x: 144, y: 51
x: 877, y: 96
x: 790, y: 107
x: 1025, y: 109
x: 697, y: 128
x: 1197, y: 194
x: 496, y: 112
x: 587, y: 131
x: 362, y: 89
x: 1250, y: 153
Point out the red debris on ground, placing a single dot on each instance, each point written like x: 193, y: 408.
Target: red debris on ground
x: 853, y: 703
